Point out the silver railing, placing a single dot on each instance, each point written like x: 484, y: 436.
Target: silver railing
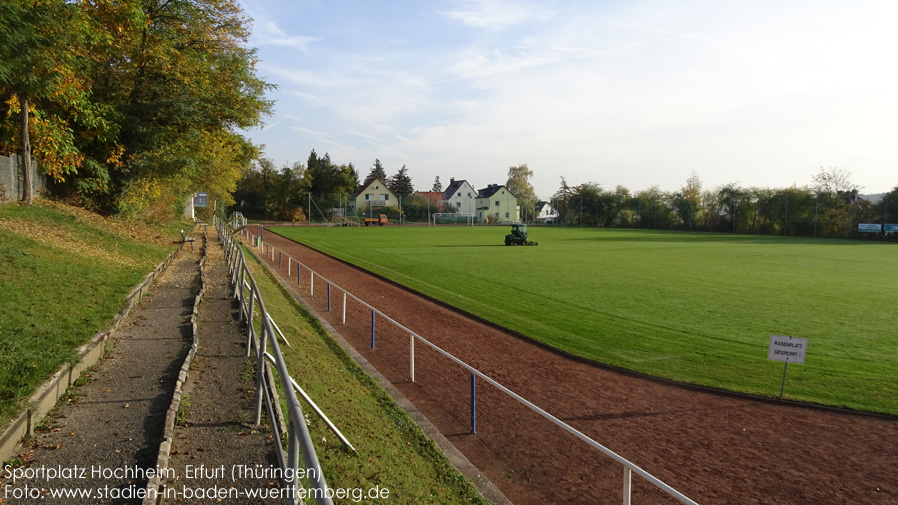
x: 278, y: 257
x: 299, y: 440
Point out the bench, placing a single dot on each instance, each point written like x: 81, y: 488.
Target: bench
x: 185, y: 239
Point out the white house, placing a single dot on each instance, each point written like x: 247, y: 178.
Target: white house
x: 461, y: 195
x: 545, y: 213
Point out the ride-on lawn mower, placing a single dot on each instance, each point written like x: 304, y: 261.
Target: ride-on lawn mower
x: 518, y: 235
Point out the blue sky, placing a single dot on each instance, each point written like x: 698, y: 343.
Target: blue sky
x: 638, y: 93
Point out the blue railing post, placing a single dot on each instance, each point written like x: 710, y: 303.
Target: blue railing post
x: 473, y: 403
x: 372, y: 329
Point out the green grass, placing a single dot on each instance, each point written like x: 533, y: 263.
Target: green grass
x: 393, y: 452
x: 696, y: 308
x: 65, y: 273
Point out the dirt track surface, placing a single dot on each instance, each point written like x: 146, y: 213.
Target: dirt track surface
x: 713, y: 448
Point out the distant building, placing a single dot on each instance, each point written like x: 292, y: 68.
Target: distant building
x: 461, y: 195
x: 545, y: 213
x: 497, y: 201
x: 372, y: 196
x: 433, y: 198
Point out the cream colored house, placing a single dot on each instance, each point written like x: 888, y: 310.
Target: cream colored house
x: 372, y: 197
x: 497, y: 201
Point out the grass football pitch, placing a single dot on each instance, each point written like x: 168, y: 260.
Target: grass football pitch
x: 694, y: 307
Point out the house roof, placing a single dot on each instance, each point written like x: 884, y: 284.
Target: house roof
x: 453, y: 188
x: 366, y: 186
x: 491, y: 190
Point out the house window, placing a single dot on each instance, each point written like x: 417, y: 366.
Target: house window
x: 469, y: 195
x: 460, y: 194
x: 385, y: 197
x: 506, y: 215
x: 367, y: 196
x: 497, y: 204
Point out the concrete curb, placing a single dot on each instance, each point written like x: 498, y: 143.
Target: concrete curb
x: 458, y: 460
x: 154, y: 495
x: 46, y: 395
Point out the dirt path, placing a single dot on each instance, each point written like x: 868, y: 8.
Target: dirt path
x: 714, y: 448
x: 112, y: 425
x: 216, y: 428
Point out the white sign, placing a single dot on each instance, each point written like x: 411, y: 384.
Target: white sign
x: 788, y: 349
x: 869, y: 227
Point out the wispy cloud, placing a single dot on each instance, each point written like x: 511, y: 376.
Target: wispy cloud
x: 270, y: 34
x: 497, y: 14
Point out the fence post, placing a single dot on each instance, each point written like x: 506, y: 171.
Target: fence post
x: 260, y: 370
x: 298, y: 277
x: 249, y: 322
x: 328, y: 296
x: 288, y: 266
x: 280, y: 259
x: 344, y: 307
x: 312, y: 283
x: 372, y: 329
x: 473, y: 403
x: 628, y: 475
x: 411, y: 351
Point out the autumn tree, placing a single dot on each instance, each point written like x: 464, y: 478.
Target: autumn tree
x: 689, y: 199
x: 42, y: 84
x: 519, y: 184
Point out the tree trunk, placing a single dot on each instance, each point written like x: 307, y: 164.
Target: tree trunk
x: 28, y: 190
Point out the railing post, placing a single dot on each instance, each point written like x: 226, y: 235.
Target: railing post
x: 311, y: 283
x: 280, y: 259
x: 298, y: 276
x: 411, y: 357
x: 288, y: 265
x: 628, y: 477
x: 372, y: 329
x: 328, y: 296
x: 260, y: 371
x: 249, y: 323
x: 242, y: 297
x: 290, y: 481
x: 344, y: 307
x: 473, y: 403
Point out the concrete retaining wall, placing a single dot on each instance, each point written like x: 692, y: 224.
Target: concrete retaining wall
x: 12, y: 181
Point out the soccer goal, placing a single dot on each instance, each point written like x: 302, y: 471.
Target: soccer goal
x: 465, y: 218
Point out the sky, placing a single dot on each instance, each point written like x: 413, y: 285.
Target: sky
x: 634, y: 93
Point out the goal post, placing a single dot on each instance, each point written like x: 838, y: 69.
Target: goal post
x: 465, y: 218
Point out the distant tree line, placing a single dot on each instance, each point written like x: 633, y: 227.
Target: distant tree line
x: 314, y: 191
x: 830, y: 207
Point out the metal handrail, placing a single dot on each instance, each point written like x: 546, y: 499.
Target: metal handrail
x: 298, y: 438
x: 629, y: 467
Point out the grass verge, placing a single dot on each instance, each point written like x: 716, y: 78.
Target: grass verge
x: 65, y: 273
x: 393, y: 452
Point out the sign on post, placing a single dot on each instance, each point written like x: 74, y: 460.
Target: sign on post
x: 788, y: 350
x: 891, y: 227
x: 869, y: 227
x: 201, y: 200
